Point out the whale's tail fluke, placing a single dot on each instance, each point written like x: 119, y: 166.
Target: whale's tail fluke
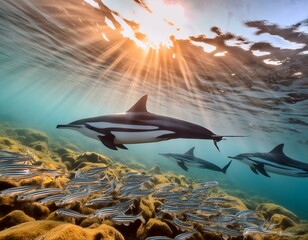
x: 224, y: 170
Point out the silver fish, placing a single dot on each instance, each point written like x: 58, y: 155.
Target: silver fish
x: 11, y: 192
x: 181, y: 225
x: 222, y: 230
x: 51, y: 199
x: 100, y: 201
x: 126, y: 220
x: 17, y: 174
x: 106, y: 212
x: 71, y: 198
x: 40, y: 193
x: 219, y: 200
x: 158, y: 238
x: 139, y: 193
x: 70, y: 213
x: 184, y: 236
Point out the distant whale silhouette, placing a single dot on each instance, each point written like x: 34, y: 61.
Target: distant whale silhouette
x: 137, y: 125
x: 274, y: 161
x: 188, y: 159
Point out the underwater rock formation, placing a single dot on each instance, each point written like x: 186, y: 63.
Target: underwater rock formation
x: 55, y: 230
x: 154, y: 227
x: 14, y: 218
x: 270, y: 209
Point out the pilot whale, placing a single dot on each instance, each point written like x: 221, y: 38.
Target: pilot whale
x: 274, y: 161
x: 188, y: 159
x: 137, y: 125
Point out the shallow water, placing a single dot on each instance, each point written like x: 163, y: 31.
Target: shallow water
x: 57, y: 67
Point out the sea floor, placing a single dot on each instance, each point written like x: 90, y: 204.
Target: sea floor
x: 51, y: 190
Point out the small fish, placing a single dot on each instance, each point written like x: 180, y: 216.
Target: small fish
x: 222, y: 230
x: 104, y: 213
x: 197, y: 219
x: 166, y: 187
x: 17, y: 174
x: 40, y: 193
x: 126, y: 220
x: 139, y: 193
x: 17, y: 167
x: 210, y: 184
x: 11, y: 192
x: 84, y: 181
x: 125, y: 206
x: 70, y: 213
x: 226, y: 219
x: 219, y: 200
x: 129, y: 174
x: 180, y: 224
x: 100, y: 201
x: 184, y: 236
x: 208, y: 209
x: 259, y: 230
x: 71, y: 198
x: 171, y: 209
x: 159, y: 238
x: 51, y: 199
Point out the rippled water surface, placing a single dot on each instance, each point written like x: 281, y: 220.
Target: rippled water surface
x: 235, y: 67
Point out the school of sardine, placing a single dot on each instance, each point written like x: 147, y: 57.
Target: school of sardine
x: 190, y: 210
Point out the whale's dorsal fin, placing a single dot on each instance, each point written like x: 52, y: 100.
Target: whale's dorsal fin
x: 278, y: 149
x: 140, y: 105
x: 190, y: 151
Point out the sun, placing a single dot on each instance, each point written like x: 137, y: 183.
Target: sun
x: 161, y: 24
x: 157, y: 24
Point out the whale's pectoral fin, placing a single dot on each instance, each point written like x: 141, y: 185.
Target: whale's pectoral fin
x: 215, y: 143
x: 254, y: 169
x: 261, y: 170
x: 108, y: 141
x: 183, y: 166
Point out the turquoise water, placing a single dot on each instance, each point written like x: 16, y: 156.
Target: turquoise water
x: 56, y: 68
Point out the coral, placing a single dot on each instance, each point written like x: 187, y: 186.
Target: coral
x: 281, y: 221
x: 36, y: 210
x: 155, y: 170
x: 14, y: 218
x: 91, y: 157
x: 28, y: 135
x: 53, y: 230
x: 299, y: 229
x: 154, y: 227
x: 270, y: 209
x: 147, y: 207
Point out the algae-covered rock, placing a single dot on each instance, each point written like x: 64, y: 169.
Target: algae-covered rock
x: 153, y: 227
x: 147, y: 207
x: 28, y: 135
x: 270, y: 209
x: 299, y: 229
x: 6, y: 142
x: 155, y: 170
x: 36, y: 210
x: 53, y: 230
x: 281, y: 221
x: 91, y: 157
x: 29, y: 230
x: 14, y: 218
x: 39, y: 146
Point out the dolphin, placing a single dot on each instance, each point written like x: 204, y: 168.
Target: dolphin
x: 189, y: 159
x: 137, y: 125
x: 274, y: 161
